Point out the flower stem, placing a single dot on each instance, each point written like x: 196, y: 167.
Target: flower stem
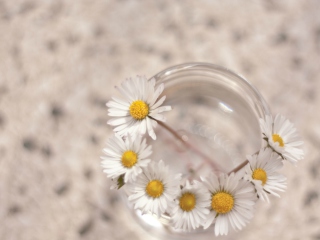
x: 214, y: 165
x: 240, y: 166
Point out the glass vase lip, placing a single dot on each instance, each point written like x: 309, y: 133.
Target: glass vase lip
x: 219, y: 69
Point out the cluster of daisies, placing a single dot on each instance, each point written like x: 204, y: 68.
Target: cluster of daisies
x: 226, y: 200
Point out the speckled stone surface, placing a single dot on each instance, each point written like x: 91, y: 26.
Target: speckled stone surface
x: 59, y: 61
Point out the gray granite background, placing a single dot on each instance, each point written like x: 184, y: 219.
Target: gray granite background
x: 59, y: 61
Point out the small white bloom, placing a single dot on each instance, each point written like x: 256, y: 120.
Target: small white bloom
x: 140, y: 106
x: 126, y: 157
x: 155, y: 189
x: 232, y: 202
x: 191, y: 206
x: 262, y: 172
x: 282, y: 137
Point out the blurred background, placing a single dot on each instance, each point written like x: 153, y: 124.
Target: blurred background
x: 59, y: 61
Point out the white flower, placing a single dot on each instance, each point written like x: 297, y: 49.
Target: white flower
x: 155, y: 189
x: 191, y: 206
x: 126, y: 157
x: 262, y: 172
x: 140, y: 108
x: 232, y: 202
x: 282, y: 137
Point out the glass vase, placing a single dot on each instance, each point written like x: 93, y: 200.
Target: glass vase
x: 216, y: 111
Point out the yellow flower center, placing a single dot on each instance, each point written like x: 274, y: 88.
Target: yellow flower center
x: 139, y: 110
x: 154, y: 188
x: 187, y: 202
x: 222, y: 202
x: 260, y: 174
x: 277, y: 138
x: 129, y: 158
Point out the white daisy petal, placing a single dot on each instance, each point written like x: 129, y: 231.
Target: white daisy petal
x: 118, y: 113
x: 158, y: 117
x: 121, y: 102
x: 150, y: 129
x: 156, y: 95
x: 164, y: 109
x: 158, y: 103
x: 118, y: 121
x: 117, y: 105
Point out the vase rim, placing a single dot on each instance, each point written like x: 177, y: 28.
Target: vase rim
x: 193, y: 65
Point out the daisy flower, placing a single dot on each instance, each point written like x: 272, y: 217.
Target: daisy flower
x: 191, y: 206
x: 125, y: 157
x: 155, y: 189
x: 140, y: 109
x: 232, y: 202
x: 282, y: 137
x: 262, y: 172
